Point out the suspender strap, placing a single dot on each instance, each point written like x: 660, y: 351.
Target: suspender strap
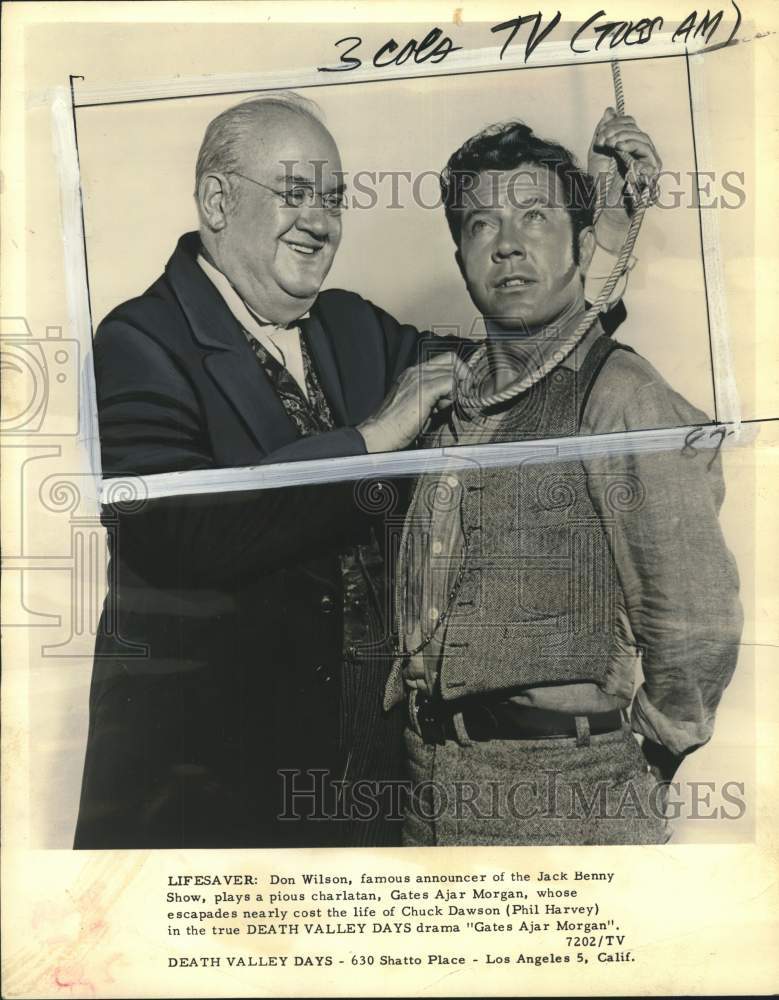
x: 596, y: 358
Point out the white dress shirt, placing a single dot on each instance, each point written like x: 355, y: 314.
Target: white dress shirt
x: 282, y: 343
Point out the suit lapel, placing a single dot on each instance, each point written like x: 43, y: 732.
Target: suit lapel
x: 352, y: 355
x: 245, y: 385
x: 324, y: 359
x: 229, y: 360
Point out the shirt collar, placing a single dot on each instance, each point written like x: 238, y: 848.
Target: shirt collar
x: 576, y: 357
x: 246, y: 316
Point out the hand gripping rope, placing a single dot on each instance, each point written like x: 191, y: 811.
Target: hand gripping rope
x: 471, y: 401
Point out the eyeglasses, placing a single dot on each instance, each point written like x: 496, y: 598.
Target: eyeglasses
x: 302, y: 195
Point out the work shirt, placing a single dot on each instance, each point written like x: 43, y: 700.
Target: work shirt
x: 676, y: 609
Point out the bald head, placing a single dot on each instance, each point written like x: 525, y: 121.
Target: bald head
x: 227, y: 135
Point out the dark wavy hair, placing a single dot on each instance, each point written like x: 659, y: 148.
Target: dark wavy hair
x: 507, y: 146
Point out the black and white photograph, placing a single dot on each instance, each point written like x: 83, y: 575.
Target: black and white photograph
x: 388, y: 444
x: 514, y: 611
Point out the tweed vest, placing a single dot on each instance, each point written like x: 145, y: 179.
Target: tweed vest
x: 538, y: 592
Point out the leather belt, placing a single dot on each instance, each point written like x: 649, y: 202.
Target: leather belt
x: 488, y: 719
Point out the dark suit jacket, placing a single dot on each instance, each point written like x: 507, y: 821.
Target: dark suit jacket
x: 219, y: 647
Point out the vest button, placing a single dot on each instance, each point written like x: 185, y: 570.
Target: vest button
x: 321, y: 671
x: 327, y: 604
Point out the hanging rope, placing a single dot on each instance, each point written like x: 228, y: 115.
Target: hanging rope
x: 471, y: 402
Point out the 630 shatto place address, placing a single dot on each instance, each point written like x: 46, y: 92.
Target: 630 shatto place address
x: 320, y: 961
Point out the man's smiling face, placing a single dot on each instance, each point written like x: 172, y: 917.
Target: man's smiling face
x: 282, y: 233
x: 516, y: 248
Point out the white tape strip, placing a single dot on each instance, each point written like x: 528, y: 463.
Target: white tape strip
x: 728, y: 406
x: 64, y: 139
x: 409, y: 463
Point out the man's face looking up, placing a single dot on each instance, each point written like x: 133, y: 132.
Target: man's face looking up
x: 516, y: 248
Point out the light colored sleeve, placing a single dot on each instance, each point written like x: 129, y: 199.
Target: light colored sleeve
x: 679, y: 580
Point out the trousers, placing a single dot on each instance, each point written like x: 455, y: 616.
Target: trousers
x: 532, y: 792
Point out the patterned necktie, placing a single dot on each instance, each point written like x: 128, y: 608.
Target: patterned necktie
x: 310, y: 416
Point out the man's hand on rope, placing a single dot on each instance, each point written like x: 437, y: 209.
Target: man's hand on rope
x: 617, y: 139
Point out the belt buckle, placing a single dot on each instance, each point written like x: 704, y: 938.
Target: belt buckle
x: 431, y: 727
